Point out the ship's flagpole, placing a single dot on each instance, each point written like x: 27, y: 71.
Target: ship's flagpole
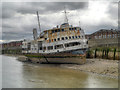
x: 38, y: 22
x: 79, y: 23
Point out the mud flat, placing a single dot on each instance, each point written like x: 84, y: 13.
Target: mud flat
x: 97, y: 66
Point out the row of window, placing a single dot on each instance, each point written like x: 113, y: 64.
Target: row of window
x: 65, y: 38
x: 33, y: 49
x: 106, y: 36
x: 61, y: 46
x: 58, y: 30
x: 57, y: 46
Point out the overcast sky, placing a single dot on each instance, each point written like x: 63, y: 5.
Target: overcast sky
x: 19, y: 18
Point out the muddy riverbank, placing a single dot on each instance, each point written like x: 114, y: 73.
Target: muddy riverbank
x: 96, y: 66
x: 17, y: 74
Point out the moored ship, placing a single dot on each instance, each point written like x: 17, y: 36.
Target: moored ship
x: 63, y: 44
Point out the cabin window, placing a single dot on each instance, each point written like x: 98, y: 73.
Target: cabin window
x: 75, y: 28
x: 67, y: 45
x: 72, y: 44
x: 80, y: 28
x: 69, y: 37
x: 72, y: 28
x: 66, y: 38
x: 59, y: 46
x: 49, y: 41
x: 58, y: 39
x: 58, y: 30
x: 76, y: 36
x: 87, y: 42
x: 62, y: 38
x: 69, y: 28
x: 53, y: 31
x: 50, y: 47
x: 45, y: 38
x: 62, y: 30
x: 44, y: 48
x: 73, y: 37
x: 54, y: 39
x: 79, y: 36
x: 40, y: 48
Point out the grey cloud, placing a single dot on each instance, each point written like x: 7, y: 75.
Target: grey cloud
x: 94, y: 28
x: 119, y: 15
x: 15, y: 36
x: 9, y: 9
x: 15, y: 28
x: 8, y: 13
x: 113, y: 10
x: 7, y: 26
x: 50, y: 7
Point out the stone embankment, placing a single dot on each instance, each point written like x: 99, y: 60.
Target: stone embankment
x: 23, y: 58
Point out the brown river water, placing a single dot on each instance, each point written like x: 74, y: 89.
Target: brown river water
x: 16, y: 74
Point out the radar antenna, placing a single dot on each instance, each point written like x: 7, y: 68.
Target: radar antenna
x: 65, y: 18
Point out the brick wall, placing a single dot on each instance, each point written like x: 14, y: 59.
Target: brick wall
x: 12, y: 44
x: 103, y: 38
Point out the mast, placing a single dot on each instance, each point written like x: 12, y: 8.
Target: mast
x: 65, y: 18
x: 38, y: 22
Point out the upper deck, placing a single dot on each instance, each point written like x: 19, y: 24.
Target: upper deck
x: 65, y: 32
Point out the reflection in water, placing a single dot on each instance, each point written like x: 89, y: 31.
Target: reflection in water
x: 17, y: 74
x: 47, y: 76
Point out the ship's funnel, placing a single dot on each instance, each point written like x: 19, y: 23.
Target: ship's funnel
x: 34, y: 33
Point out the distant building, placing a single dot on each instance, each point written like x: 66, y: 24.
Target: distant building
x: 26, y: 45
x: 103, y: 38
x: 14, y: 44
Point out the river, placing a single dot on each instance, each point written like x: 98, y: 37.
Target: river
x: 16, y: 74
